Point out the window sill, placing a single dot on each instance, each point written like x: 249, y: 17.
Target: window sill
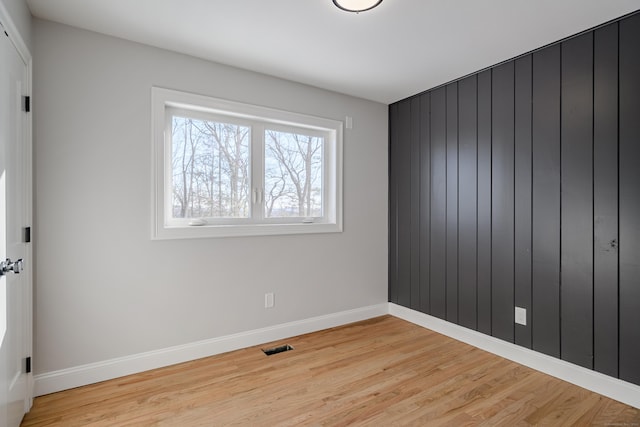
x: 213, y: 231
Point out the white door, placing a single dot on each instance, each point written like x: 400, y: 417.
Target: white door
x: 15, y: 287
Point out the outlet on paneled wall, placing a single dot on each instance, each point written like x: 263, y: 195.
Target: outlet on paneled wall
x: 521, y: 316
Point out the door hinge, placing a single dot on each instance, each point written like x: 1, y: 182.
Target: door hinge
x: 26, y: 104
x: 27, y: 365
x: 26, y: 235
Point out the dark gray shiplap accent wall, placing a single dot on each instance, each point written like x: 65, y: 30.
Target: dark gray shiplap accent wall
x: 520, y: 186
x: 629, y: 203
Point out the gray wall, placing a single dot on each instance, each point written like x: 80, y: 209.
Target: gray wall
x: 103, y: 288
x: 519, y: 186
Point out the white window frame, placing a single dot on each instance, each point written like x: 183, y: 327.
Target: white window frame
x: 164, y: 101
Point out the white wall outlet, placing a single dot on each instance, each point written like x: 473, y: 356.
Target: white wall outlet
x: 521, y: 316
x: 269, y: 300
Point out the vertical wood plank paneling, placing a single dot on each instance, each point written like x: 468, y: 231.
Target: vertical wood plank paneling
x: 605, y: 200
x: 519, y: 186
x: 415, y: 202
x: 630, y: 199
x: 484, y: 202
x: 452, y: 202
x: 502, y: 193
x: 438, y: 203
x: 393, y: 201
x: 404, y: 204
x: 425, y: 205
x: 467, y: 201
x: 577, y: 201
x: 522, y: 256
x: 546, y: 202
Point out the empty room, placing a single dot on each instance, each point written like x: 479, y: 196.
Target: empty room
x: 319, y: 212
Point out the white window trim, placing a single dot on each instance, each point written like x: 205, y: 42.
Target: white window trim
x: 162, y: 99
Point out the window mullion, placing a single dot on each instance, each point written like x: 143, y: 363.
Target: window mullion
x: 257, y: 172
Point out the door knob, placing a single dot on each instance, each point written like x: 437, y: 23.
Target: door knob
x: 8, y: 265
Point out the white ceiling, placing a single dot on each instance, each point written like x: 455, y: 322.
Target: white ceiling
x: 396, y: 50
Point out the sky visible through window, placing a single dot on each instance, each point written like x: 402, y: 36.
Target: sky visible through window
x: 211, y: 166
x: 293, y: 175
x: 210, y: 163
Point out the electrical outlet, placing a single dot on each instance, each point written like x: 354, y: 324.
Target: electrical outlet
x: 269, y: 300
x: 521, y: 316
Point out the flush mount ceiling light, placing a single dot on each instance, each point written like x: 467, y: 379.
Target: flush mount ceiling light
x: 356, y: 5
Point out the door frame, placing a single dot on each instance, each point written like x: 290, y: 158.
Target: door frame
x: 25, y: 54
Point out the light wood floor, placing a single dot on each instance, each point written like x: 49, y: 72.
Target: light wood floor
x: 379, y: 372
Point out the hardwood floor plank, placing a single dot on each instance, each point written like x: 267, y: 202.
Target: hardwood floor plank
x: 382, y: 371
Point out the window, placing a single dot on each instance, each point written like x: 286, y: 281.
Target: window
x: 223, y: 168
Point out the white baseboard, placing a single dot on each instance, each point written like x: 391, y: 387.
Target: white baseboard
x: 603, y: 384
x: 51, y: 382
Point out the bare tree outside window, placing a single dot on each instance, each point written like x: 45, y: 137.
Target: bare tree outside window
x: 210, y: 163
x: 224, y: 169
x: 293, y: 175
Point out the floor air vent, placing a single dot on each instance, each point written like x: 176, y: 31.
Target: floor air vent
x: 276, y: 350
